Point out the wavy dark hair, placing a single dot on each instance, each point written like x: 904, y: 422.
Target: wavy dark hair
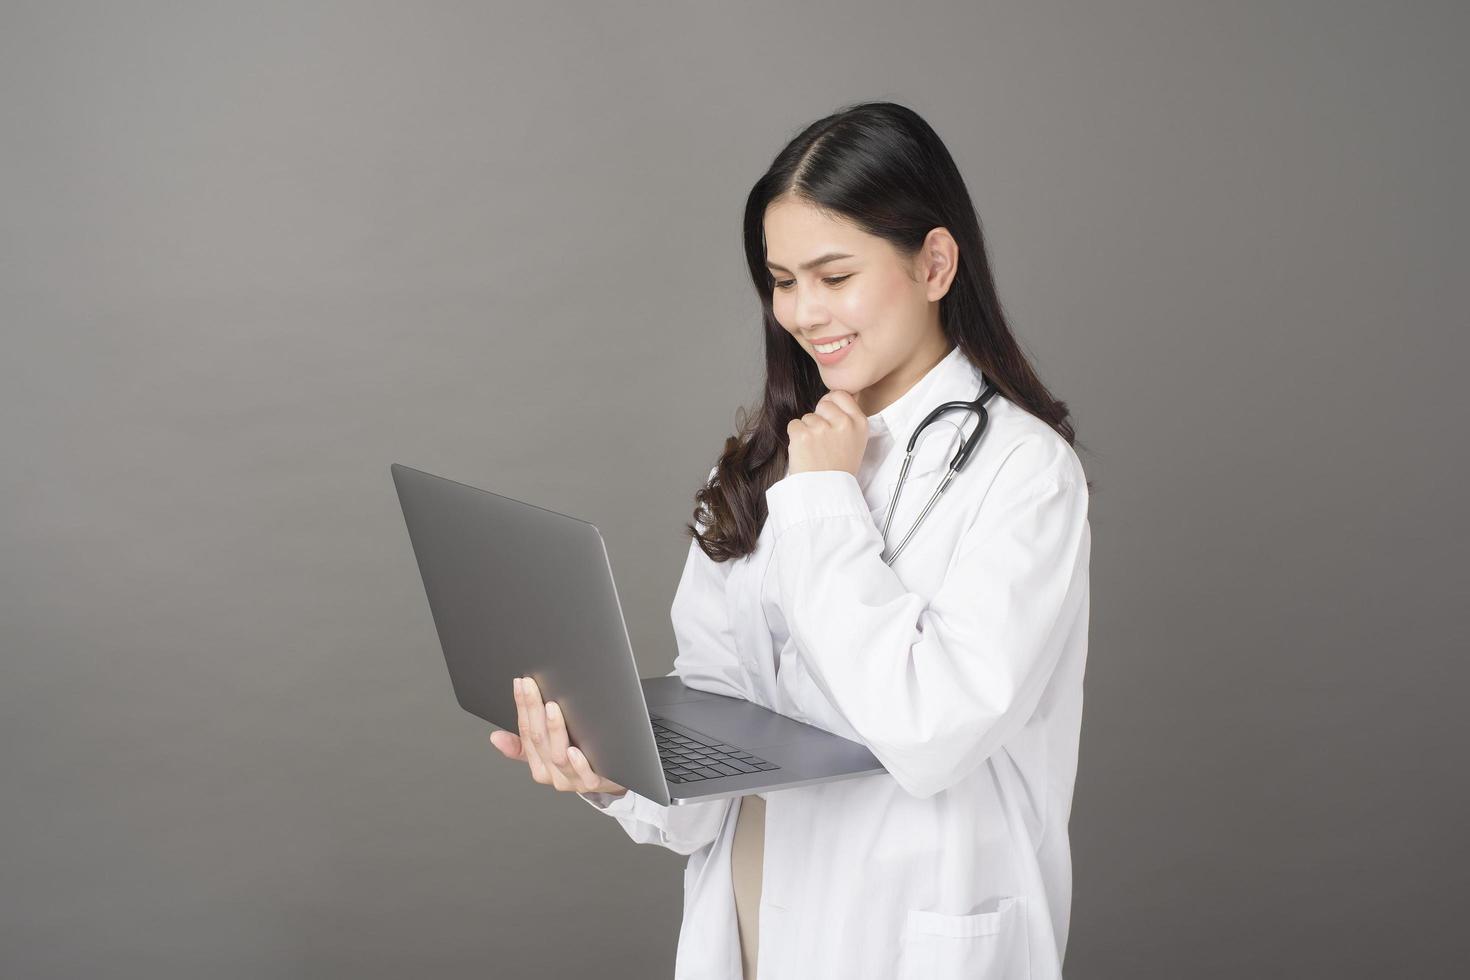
x: 882, y: 167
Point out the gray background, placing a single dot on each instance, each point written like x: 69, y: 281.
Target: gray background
x: 253, y: 253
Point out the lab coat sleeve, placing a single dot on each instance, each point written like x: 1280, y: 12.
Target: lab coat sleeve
x: 933, y: 688
x: 706, y: 660
x: 682, y: 829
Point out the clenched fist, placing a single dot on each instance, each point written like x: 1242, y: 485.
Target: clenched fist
x: 833, y: 437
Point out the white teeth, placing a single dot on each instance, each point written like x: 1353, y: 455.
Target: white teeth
x: 829, y: 348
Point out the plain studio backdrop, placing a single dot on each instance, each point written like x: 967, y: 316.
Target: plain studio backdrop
x: 254, y: 253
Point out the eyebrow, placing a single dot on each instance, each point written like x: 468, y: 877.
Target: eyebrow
x: 820, y: 260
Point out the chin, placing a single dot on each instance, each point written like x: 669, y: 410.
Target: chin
x: 841, y: 377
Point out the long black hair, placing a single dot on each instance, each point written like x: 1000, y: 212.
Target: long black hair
x: 882, y: 167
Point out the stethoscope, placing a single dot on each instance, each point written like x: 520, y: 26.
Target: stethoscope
x: 977, y: 406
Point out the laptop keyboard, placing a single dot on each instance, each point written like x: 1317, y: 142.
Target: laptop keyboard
x: 688, y: 756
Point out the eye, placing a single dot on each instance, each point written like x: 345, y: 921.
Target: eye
x: 830, y: 280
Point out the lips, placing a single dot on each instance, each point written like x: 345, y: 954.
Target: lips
x: 838, y: 354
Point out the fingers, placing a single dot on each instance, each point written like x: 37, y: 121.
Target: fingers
x: 558, y: 751
x: 839, y: 407
x: 535, y: 718
x: 551, y: 765
x: 813, y: 421
x: 578, y: 772
x: 528, y: 740
x: 828, y: 411
x: 846, y: 401
x: 587, y: 780
x: 545, y: 745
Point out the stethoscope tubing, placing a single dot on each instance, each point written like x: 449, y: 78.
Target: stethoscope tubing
x: 961, y: 457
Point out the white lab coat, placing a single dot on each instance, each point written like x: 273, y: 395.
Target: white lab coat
x: 960, y: 667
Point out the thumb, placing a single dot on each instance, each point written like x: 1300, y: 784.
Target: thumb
x: 507, y: 742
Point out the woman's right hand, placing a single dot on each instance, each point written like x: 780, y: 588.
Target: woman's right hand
x: 542, y: 744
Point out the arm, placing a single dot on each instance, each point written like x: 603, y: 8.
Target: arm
x: 933, y: 689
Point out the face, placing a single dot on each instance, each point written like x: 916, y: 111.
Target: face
x: 884, y: 307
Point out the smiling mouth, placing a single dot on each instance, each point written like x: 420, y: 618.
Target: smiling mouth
x: 835, y: 346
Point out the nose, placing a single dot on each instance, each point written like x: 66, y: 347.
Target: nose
x: 809, y: 313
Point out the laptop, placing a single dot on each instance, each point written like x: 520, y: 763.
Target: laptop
x: 518, y: 590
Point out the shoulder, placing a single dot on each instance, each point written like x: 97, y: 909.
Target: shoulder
x: 1024, y: 455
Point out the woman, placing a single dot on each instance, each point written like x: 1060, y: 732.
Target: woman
x: 959, y: 664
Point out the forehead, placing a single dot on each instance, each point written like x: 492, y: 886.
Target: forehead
x: 797, y: 231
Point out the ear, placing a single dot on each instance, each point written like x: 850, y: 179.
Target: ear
x: 939, y: 261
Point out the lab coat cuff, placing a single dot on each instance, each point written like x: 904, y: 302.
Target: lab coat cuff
x: 607, y: 803
x: 801, y: 497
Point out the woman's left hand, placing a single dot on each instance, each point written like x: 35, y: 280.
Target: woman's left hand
x: 833, y: 437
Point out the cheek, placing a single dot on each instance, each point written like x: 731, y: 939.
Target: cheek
x: 864, y: 307
x: 782, y: 313
x: 782, y: 308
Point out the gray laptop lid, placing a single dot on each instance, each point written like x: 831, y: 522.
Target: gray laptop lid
x: 518, y: 590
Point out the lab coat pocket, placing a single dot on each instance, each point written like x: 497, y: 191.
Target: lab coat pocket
x: 983, y: 946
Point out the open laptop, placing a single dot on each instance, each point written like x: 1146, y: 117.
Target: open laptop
x: 518, y: 590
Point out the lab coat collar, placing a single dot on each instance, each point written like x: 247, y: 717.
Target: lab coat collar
x: 952, y: 379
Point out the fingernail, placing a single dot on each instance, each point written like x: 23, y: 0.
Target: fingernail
x: 517, y: 684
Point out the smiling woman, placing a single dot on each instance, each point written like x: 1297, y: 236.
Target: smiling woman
x: 959, y: 665
x: 860, y: 230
